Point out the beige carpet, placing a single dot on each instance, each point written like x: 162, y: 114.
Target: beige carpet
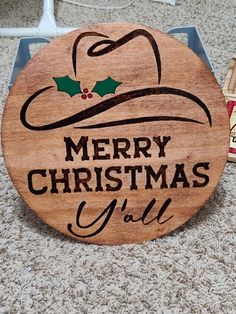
x: 189, y: 271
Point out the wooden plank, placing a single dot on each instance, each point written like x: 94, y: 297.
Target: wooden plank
x: 230, y: 81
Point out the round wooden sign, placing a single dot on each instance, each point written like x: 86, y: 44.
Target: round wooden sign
x: 115, y: 133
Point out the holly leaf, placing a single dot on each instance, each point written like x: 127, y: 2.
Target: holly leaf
x: 68, y: 85
x: 108, y: 86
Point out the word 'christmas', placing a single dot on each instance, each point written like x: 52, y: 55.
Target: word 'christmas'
x: 114, y: 177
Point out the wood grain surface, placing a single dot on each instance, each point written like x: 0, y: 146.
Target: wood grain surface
x: 115, y: 133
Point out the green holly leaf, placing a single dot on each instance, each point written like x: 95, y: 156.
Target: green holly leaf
x: 67, y: 85
x: 108, y: 86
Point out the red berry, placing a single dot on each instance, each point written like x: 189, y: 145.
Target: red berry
x: 83, y: 96
x: 90, y: 95
x: 85, y: 91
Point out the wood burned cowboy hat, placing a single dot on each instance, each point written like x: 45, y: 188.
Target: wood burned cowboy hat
x: 72, y: 87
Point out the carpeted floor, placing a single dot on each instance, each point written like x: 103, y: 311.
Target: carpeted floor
x: 189, y: 271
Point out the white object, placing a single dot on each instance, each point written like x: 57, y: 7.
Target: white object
x: 47, y: 26
x: 85, y: 5
x: 172, y: 2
